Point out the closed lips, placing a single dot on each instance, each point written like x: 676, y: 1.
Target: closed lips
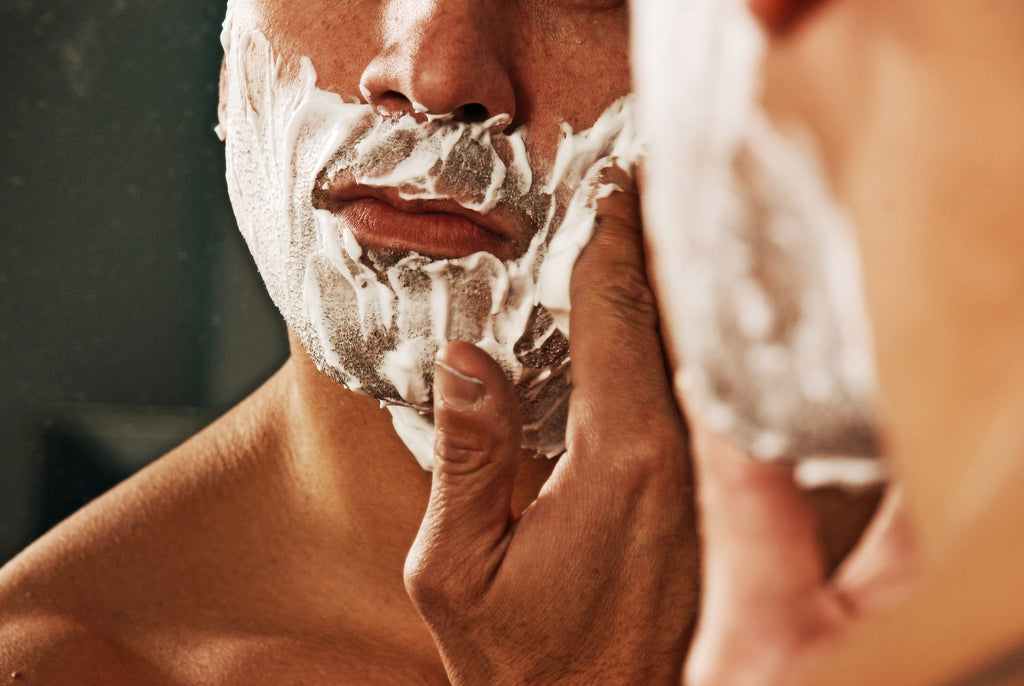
x: 442, y: 229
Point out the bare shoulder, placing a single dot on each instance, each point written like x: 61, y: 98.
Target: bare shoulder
x: 94, y: 598
x: 48, y: 649
x: 204, y: 568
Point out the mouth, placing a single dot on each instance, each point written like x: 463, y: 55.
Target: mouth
x: 441, y: 229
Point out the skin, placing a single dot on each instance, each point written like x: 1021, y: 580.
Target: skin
x: 916, y: 106
x: 618, y: 507
x: 637, y: 544
x: 273, y: 545
x: 533, y: 60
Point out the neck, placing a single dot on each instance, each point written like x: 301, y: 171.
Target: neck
x: 361, y: 491
x: 357, y: 486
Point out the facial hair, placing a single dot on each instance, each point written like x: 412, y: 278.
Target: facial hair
x: 372, y: 320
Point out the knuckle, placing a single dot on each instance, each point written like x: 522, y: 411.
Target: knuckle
x: 460, y: 452
x: 648, y: 465
x: 448, y: 568
x: 626, y: 284
x: 466, y: 447
x: 623, y: 287
x: 462, y: 455
x: 650, y: 457
x: 611, y: 272
x: 420, y: 582
x: 430, y: 584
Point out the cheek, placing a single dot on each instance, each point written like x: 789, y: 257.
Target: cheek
x: 323, y: 32
x: 564, y: 66
x: 572, y: 86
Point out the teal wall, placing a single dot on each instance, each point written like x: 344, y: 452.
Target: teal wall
x: 130, y: 313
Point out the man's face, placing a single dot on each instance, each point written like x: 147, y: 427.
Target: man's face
x: 756, y: 268
x: 399, y: 169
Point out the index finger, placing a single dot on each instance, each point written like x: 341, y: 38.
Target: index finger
x: 620, y: 380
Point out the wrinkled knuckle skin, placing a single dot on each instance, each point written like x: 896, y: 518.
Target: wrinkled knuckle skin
x: 461, y: 453
x: 414, y: 575
x: 620, y: 225
x: 612, y: 269
x: 422, y: 588
x: 624, y: 287
x: 430, y: 585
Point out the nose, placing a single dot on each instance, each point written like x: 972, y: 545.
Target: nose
x: 441, y: 57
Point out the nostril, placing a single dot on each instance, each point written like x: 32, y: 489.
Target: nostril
x: 473, y: 113
x: 391, y: 102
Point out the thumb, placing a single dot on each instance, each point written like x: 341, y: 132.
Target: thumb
x: 478, y: 434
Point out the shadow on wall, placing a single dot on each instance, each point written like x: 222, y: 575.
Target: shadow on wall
x: 131, y: 312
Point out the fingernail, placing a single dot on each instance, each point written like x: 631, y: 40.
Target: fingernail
x: 458, y: 391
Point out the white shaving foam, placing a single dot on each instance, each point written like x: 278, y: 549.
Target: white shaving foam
x: 369, y: 320
x: 756, y: 267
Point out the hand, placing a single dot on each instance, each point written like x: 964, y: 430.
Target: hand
x: 768, y: 609
x: 595, y: 582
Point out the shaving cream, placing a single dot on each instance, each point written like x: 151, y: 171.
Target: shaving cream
x: 757, y: 270
x: 373, y: 320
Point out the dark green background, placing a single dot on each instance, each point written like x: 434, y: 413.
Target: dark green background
x: 130, y: 312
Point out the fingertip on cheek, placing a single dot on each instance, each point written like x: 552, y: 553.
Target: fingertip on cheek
x: 615, y: 205
x: 617, y: 198
x: 617, y: 174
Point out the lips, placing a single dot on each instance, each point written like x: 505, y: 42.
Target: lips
x: 441, y: 229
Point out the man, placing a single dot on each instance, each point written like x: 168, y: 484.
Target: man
x: 915, y: 108
x: 271, y: 546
